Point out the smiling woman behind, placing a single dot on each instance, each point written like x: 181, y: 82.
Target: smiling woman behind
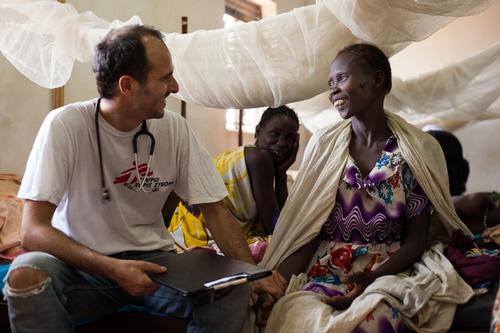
x: 255, y: 177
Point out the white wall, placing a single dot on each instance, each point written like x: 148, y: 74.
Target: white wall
x: 481, y: 148
x: 284, y: 6
x: 460, y: 39
x: 23, y: 106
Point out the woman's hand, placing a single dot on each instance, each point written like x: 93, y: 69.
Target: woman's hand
x: 360, y: 281
x: 492, y: 235
x: 285, y: 165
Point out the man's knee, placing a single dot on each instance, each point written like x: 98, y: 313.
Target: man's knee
x: 24, y: 279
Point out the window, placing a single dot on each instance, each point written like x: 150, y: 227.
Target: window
x: 251, y: 118
x: 242, y: 11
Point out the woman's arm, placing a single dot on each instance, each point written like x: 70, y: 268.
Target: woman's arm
x: 412, y: 248
x: 298, y: 261
x: 281, y: 188
x: 471, y: 208
x: 280, y: 176
x: 261, y: 171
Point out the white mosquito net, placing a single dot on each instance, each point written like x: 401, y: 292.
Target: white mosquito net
x: 277, y: 60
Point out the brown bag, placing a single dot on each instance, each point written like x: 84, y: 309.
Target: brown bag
x: 11, y: 210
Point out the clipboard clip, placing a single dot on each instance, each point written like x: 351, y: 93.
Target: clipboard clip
x: 227, y: 281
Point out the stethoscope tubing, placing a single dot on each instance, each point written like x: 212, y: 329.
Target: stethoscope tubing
x: 143, y: 131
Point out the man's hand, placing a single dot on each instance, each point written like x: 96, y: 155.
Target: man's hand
x: 263, y: 309
x: 275, y: 285
x: 360, y: 280
x: 265, y: 293
x: 131, y: 276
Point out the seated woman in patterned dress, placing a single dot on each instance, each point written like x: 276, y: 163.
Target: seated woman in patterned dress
x: 256, y: 181
x: 380, y: 218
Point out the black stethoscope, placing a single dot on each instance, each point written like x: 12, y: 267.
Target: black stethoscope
x: 143, y: 131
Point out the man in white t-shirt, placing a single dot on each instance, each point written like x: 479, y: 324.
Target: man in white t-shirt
x: 93, y: 208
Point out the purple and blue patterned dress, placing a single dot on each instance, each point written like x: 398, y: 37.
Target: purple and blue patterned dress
x: 365, y: 228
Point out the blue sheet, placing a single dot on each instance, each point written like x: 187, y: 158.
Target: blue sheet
x: 3, y: 271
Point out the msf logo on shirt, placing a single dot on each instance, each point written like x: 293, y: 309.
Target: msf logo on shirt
x: 130, y: 180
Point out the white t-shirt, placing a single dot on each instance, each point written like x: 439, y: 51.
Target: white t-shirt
x: 63, y: 168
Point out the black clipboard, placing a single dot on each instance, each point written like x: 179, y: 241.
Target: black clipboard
x: 201, y: 270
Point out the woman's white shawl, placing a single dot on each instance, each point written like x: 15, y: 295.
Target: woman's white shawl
x: 420, y: 296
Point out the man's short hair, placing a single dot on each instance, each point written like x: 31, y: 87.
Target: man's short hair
x: 120, y: 53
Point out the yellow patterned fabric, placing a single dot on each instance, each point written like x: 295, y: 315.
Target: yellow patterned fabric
x: 233, y: 169
x: 188, y: 226
x: 188, y: 229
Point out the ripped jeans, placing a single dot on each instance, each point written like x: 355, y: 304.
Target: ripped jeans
x: 68, y: 298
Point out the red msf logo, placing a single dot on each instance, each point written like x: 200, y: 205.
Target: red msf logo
x: 129, y: 176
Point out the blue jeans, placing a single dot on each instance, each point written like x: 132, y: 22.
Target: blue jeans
x: 70, y: 297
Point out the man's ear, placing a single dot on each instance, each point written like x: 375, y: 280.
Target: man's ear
x: 127, y: 85
x: 378, y: 79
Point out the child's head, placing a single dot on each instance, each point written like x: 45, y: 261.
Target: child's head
x: 277, y: 132
x: 457, y: 165
x: 360, y: 77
